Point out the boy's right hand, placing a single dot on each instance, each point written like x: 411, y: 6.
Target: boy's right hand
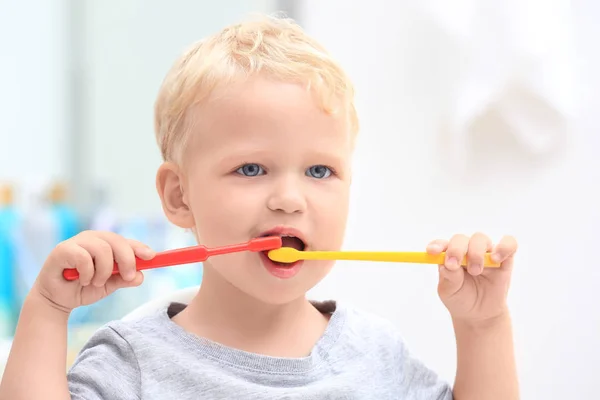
x: 93, y: 254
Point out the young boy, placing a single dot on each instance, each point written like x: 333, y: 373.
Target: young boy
x: 256, y: 126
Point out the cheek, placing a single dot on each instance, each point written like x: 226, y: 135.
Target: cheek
x: 224, y: 215
x: 332, y: 215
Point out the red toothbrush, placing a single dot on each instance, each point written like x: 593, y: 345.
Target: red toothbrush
x: 192, y: 254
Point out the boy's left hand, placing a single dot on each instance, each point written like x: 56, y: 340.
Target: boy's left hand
x: 474, y: 294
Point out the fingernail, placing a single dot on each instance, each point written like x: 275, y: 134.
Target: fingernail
x: 144, y: 251
x: 434, y: 247
x: 496, y: 257
x: 451, y: 262
x: 129, y: 275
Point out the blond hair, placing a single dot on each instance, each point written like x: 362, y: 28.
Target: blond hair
x: 267, y: 44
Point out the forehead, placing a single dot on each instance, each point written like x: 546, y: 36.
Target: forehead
x: 261, y: 112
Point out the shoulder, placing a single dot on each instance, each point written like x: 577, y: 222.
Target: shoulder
x: 155, y: 324
x: 120, y: 340
x: 107, y: 366
x: 371, y: 328
x: 354, y: 332
x: 378, y: 342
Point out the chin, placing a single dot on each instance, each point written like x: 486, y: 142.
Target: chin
x: 280, y: 292
x: 258, y: 282
x: 274, y: 291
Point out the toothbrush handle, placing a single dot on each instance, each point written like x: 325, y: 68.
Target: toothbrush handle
x: 190, y: 255
x: 163, y: 259
x: 388, y: 256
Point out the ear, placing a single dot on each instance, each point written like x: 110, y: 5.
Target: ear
x: 170, y: 187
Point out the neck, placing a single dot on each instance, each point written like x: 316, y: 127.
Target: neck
x: 224, y: 314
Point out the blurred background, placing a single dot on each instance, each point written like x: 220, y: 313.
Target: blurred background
x: 476, y: 116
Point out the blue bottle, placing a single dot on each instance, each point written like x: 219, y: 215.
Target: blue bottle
x: 8, y: 263
x: 67, y: 223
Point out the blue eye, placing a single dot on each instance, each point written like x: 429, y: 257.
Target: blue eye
x: 318, y: 172
x: 250, y: 170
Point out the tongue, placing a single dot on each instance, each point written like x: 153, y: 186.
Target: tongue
x: 293, y: 242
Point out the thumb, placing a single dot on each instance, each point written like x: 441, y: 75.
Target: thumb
x: 450, y: 281
x: 117, y: 282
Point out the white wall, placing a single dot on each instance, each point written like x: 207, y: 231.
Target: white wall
x: 405, y: 195
x: 129, y: 47
x: 33, y: 90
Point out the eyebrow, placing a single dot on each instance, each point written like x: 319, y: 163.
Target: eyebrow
x: 240, y: 155
x: 330, y: 157
x: 234, y: 156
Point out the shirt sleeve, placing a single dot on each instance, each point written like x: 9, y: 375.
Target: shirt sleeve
x: 106, y: 368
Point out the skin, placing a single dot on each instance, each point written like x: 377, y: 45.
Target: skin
x: 262, y: 154
x: 476, y: 300
x: 301, y: 159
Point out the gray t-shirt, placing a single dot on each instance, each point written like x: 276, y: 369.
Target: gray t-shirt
x: 360, y: 356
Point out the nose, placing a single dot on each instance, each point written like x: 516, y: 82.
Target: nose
x: 287, y: 196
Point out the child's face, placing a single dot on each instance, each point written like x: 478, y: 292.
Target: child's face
x: 263, y: 156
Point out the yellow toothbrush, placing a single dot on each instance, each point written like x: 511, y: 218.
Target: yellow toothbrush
x: 290, y: 255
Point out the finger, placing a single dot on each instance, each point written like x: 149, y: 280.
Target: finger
x: 102, y: 255
x: 141, y: 250
x: 125, y: 251
x: 478, y: 246
x: 71, y: 255
x: 122, y: 253
x: 450, y: 281
x: 116, y: 282
x: 437, y: 246
x: 457, y: 248
x: 504, y: 251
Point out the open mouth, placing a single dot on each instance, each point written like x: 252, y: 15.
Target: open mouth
x: 287, y: 241
x: 293, y: 242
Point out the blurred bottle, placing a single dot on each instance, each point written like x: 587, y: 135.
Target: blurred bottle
x: 67, y: 224
x: 9, y: 220
x: 103, y: 216
x: 39, y: 234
